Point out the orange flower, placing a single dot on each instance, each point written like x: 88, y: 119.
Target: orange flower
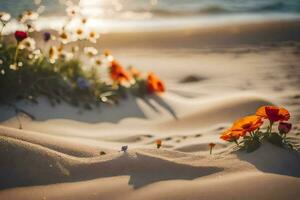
x: 241, y: 127
x: 212, y: 145
x: 154, y: 84
x: 232, y: 135
x: 117, y: 72
x: 158, y: 143
x: 248, y: 124
x: 273, y: 113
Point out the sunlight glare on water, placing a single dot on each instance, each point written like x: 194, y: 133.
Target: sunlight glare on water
x: 91, y: 8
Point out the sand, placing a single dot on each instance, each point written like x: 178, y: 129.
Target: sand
x: 209, y: 85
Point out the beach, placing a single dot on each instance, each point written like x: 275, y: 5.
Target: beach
x: 213, y: 75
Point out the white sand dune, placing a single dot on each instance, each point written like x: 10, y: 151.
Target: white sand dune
x: 173, y: 115
x: 149, y: 173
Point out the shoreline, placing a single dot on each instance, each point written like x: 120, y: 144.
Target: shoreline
x: 235, y: 35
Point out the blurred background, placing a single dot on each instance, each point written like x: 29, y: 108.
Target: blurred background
x: 129, y: 15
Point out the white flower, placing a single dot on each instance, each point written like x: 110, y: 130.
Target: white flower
x: 84, y: 20
x: 107, y: 55
x: 93, y: 36
x: 90, y: 51
x: 4, y: 16
x: 20, y: 64
x: 29, y: 15
x: 64, y: 37
x: 98, y: 62
x: 13, y: 66
x: 53, y: 54
x: 80, y: 33
x: 37, y: 53
x: 72, y: 10
x: 30, y: 27
x: 66, y: 55
x: 2, y: 71
x: 28, y: 43
x: 30, y: 56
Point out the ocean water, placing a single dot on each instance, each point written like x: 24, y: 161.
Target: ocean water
x: 146, y: 14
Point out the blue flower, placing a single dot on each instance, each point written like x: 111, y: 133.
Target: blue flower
x: 83, y: 83
x: 47, y: 36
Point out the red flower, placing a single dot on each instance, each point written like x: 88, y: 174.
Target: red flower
x: 154, y: 84
x: 20, y: 35
x: 284, y: 127
x: 273, y: 113
x: 117, y: 72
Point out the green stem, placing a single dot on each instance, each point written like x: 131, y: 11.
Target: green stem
x: 269, y: 130
x: 1, y: 31
x: 271, y: 124
x: 236, y: 143
x: 251, y: 134
x: 284, y: 137
x: 16, y: 53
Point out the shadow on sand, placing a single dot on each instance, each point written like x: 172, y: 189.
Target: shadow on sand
x: 143, y: 170
x: 24, y: 164
x: 272, y: 159
x: 105, y: 113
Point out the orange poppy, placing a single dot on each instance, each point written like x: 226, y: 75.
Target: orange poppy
x: 232, y: 135
x: 248, y: 123
x: 154, y: 84
x: 241, y: 127
x: 158, y: 143
x: 117, y: 72
x: 212, y: 145
x: 273, y: 113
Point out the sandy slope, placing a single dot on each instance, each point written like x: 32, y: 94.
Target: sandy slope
x: 58, y: 156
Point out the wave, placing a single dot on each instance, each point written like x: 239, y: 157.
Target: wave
x: 160, y: 12
x: 223, y: 9
x: 166, y: 8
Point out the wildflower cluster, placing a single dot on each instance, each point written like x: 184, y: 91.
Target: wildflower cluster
x: 249, y: 129
x: 53, y: 67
